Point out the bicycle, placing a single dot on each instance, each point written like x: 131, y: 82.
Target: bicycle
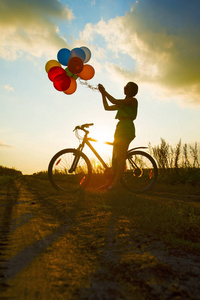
x: 70, y: 169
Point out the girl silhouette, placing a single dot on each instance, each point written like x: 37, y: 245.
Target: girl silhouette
x: 125, y: 130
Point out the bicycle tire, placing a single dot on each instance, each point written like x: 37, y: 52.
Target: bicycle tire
x: 140, y: 173
x: 59, y: 166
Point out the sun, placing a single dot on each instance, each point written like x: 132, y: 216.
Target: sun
x: 103, y: 149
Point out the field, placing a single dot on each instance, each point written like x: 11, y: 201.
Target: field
x: 99, y: 245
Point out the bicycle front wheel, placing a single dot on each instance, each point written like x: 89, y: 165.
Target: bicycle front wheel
x: 69, y: 170
x: 140, y: 173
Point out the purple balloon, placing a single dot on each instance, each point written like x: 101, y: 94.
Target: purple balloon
x: 87, y: 54
x: 78, y: 52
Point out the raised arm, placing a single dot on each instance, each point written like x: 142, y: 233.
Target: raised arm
x: 105, y: 102
x: 118, y: 101
x: 107, y: 106
x: 127, y: 100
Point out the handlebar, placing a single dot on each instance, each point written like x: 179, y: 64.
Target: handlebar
x: 83, y: 126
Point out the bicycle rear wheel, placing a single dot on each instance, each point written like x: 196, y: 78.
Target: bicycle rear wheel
x: 140, y: 172
x: 69, y: 170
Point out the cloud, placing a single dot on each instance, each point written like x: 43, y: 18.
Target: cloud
x: 9, y: 88
x: 162, y: 38
x: 29, y: 26
x: 5, y: 145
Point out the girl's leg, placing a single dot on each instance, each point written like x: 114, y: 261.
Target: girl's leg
x: 113, y: 169
x: 119, y: 159
x: 114, y: 158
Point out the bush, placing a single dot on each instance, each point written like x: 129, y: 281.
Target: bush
x: 4, y: 171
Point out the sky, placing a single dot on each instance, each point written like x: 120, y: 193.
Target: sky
x: 155, y: 43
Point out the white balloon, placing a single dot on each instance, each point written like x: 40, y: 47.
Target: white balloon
x: 87, y: 53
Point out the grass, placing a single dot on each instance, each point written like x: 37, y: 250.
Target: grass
x: 175, y: 221
x: 166, y: 213
x: 4, y: 171
x: 7, y: 174
x: 5, y: 179
x: 108, y: 240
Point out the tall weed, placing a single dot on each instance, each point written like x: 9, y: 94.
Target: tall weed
x: 179, y: 164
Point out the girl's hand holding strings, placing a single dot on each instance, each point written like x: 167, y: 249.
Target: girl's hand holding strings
x: 101, y: 88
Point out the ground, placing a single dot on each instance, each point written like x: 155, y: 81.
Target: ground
x: 83, y: 246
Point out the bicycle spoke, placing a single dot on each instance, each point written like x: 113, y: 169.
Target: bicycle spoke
x: 140, y: 172
x: 60, y: 174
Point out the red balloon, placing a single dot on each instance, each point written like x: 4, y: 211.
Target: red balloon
x: 54, y: 71
x: 62, y: 82
x: 75, y: 65
x: 87, y: 72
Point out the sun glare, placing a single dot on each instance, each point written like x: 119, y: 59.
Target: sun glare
x: 104, y: 150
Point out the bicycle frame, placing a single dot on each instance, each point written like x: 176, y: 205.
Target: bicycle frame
x: 86, y: 140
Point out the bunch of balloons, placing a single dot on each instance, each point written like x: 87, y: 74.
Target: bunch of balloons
x: 64, y: 79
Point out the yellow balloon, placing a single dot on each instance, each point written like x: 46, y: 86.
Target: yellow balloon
x: 52, y: 63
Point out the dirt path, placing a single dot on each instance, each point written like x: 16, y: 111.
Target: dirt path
x: 78, y: 247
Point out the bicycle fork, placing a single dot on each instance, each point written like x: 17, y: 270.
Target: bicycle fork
x: 73, y: 168
x: 74, y: 163
x: 76, y: 157
x: 136, y: 170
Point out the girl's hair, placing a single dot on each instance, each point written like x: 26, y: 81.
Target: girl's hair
x: 134, y: 88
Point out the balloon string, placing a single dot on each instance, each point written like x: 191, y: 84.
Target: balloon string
x: 92, y: 87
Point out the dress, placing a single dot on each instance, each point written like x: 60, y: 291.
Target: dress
x: 125, y: 129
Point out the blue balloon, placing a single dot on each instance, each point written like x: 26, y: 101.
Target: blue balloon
x: 77, y: 52
x: 63, y: 56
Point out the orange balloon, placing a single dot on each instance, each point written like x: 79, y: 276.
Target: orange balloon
x: 52, y: 63
x: 87, y: 73
x: 72, y: 88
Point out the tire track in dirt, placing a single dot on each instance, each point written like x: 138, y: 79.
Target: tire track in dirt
x: 17, y: 253
x: 9, y: 196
